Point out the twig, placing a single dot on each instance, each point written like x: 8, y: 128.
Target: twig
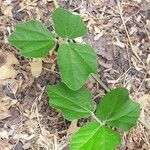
x: 52, y: 71
x: 101, y: 83
x: 82, y: 2
x: 125, y: 28
x: 26, y: 6
x: 55, y: 3
x: 93, y: 115
x: 140, y: 85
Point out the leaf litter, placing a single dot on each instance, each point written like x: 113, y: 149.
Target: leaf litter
x: 34, y: 124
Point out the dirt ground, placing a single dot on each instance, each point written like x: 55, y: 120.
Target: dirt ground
x: 120, y: 33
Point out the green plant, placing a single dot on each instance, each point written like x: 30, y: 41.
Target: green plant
x: 76, y: 62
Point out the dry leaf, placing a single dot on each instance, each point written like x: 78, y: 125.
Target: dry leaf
x: 6, y: 10
x: 96, y: 29
x: 7, y: 71
x: 6, y: 102
x: 4, y: 144
x: 36, y: 67
x: 72, y: 128
x: 4, y: 115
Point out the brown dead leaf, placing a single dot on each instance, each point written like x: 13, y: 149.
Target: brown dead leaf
x: 6, y: 10
x: 72, y: 128
x: 6, y: 102
x: 7, y: 72
x: 5, y: 115
x: 6, y: 68
x: 3, y: 144
x: 36, y: 67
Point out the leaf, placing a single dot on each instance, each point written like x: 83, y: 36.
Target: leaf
x: 73, y: 128
x: 118, y: 110
x: 68, y: 25
x: 36, y: 67
x: 7, y: 71
x: 6, y: 102
x: 73, y: 104
x: 33, y: 39
x: 76, y: 62
x: 93, y: 136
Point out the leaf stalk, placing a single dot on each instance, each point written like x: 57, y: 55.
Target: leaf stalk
x: 100, y: 122
x: 55, y: 3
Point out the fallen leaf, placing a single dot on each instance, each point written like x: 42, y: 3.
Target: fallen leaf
x: 4, y: 144
x: 7, y: 71
x: 96, y: 29
x: 72, y: 128
x: 36, y: 67
x: 5, y: 115
x: 6, y: 9
x: 6, y: 102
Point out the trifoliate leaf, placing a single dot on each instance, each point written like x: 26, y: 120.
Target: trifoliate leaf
x: 32, y: 38
x: 76, y: 62
x: 93, y: 136
x: 118, y: 110
x: 68, y: 25
x: 73, y: 104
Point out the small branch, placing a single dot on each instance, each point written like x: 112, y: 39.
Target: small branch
x: 93, y: 115
x: 26, y: 6
x: 55, y: 3
x: 101, y: 83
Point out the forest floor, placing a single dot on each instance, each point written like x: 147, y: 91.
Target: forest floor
x: 120, y: 34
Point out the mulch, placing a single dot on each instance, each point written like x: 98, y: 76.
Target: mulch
x: 120, y: 34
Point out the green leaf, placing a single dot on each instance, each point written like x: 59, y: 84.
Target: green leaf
x: 33, y: 39
x: 73, y: 104
x: 118, y: 110
x: 76, y: 62
x: 68, y: 25
x: 93, y: 136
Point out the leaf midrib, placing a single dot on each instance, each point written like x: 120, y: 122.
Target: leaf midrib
x: 70, y: 100
x: 76, y: 51
x: 91, y: 136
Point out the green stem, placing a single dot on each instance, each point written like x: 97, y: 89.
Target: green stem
x: 93, y: 115
x: 101, y: 83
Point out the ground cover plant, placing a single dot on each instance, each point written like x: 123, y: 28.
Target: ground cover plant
x: 115, y: 113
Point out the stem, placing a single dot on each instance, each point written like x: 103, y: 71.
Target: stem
x: 93, y: 115
x: 55, y: 3
x: 101, y: 83
x: 94, y: 76
x: 66, y: 40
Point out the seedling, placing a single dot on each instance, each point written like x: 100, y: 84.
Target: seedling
x: 76, y: 63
